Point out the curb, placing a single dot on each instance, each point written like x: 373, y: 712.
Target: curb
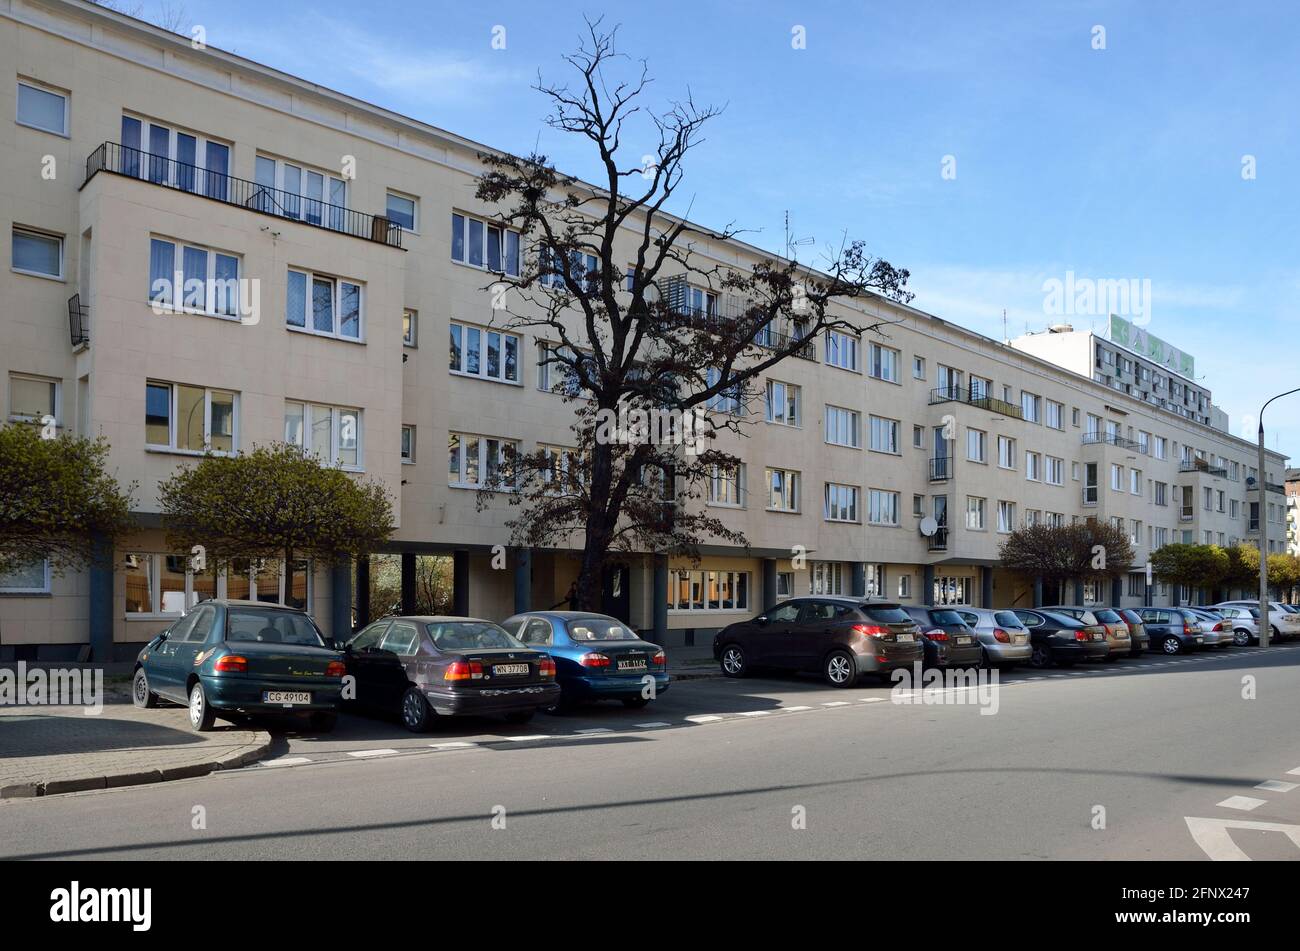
x: 703, y: 673
x: 229, y: 760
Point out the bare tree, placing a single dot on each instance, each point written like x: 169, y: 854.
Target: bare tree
x: 644, y: 329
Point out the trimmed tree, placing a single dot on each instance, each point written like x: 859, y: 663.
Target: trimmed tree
x: 1193, y: 566
x: 1087, y: 551
x: 643, y: 328
x: 58, y: 499
x: 273, y: 503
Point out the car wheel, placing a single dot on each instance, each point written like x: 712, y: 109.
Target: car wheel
x: 519, y: 716
x: 1171, y: 645
x: 323, y: 722
x: 416, y: 714
x: 1241, y: 637
x: 840, y: 669
x: 202, y: 715
x: 1041, y: 657
x: 636, y: 703
x: 141, y: 695
x: 733, y: 661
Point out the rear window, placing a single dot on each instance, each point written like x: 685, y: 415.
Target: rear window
x: 1063, y: 620
x: 946, y: 617
x: 886, y: 615
x: 600, y: 629
x: 271, y: 627
x: 1006, y: 619
x: 1131, y: 616
x: 1107, y: 616
x: 469, y: 636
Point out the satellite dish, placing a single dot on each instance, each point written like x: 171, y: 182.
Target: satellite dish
x: 1250, y: 480
x: 929, y: 526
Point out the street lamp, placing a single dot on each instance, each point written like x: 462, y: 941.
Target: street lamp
x: 1262, y: 486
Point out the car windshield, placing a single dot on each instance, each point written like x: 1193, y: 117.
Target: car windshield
x: 886, y: 615
x: 470, y: 635
x: 946, y: 617
x: 271, y: 627
x: 600, y: 629
x: 1107, y: 616
x: 1007, y: 619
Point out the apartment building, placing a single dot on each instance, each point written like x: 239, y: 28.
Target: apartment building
x: 138, y: 169
x: 1292, y: 485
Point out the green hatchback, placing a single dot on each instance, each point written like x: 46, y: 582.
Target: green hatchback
x: 228, y: 658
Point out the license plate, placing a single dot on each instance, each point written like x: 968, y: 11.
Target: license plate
x: 286, y: 697
x: 963, y: 640
x: 1020, y: 639
x: 509, y: 670
x: 905, y: 637
x: 632, y: 664
x: 1200, y: 640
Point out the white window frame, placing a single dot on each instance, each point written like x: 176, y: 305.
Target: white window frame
x: 1033, y: 466
x: 46, y: 235
x: 309, y: 410
x: 309, y: 318
x: 219, y: 589
x: 981, y: 442
x: 462, y: 441
x: 484, y: 248
x: 976, y: 515
x: 1006, y: 516
x: 726, y: 489
x: 483, y: 334
x: 790, y: 398
x: 1006, y: 452
x: 407, y: 449
x: 415, y: 209
x: 63, y: 94
x: 841, y: 351
x: 42, y: 589
x: 57, y: 412
x: 888, y: 432
x: 702, y: 582
x: 173, y: 421
x: 411, y: 333
x: 882, y: 507
x: 1057, y: 463
x: 1031, y: 407
x: 167, y: 301
x: 842, y: 503
x: 172, y: 158
x: 790, y: 479
x: 885, y: 359
x: 330, y: 181
x: 843, y: 427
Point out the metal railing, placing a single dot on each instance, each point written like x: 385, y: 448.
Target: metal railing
x: 975, y: 397
x: 1093, y: 439
x: 1202, y: 467
x: 941, y: 468
x: 168, y: 173
x: 939, y: 540
x: 77, y: 316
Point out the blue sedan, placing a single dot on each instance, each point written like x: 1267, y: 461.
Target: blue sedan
x: 597, y: 657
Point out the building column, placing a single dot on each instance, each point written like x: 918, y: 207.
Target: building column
x: 986, y: 586
x: 100, y: 634
x: 341, y: 599
x: 523, y: 580
x: 1038, y: 592
x: 1116, y: 592
x: 408, y: 582
x: 460, y: 583
x: 659, y: 595
x: 859, y: 580
x: 1078, y: 593
x: 362, y: 594
x: 927, y: 584
x: 769, y: 584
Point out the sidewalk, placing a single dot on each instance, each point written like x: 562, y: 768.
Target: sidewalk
x: 49, y: 750
x: 692, y: 663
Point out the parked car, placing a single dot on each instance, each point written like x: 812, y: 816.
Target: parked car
x: 1283, y: 623
x: 1117, y: 635
x: 949, y: 641
x: 1139, y: 640
x: 1003, y: 635
x: 1212, y: 626
x: 597, y: 657
x: 842, y: 638
x: 229, y: 658
x: 423, y: 667
x: 1172, y: 630
x: 1243, y: 622
x: 1062, y: 641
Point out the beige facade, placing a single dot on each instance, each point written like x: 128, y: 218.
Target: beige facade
x: 254, y: 133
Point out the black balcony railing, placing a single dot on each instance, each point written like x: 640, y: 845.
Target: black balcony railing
x: 1110, y: 439
x: 159, y: 170
x: 939, y: 540
x: 77, y: 316
x: 975, y: 397
x: 1202, y: 467
x: 941, y: 468
x: 775, y: 340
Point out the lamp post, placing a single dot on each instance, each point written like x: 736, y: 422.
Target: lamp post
x: 1262, y: 486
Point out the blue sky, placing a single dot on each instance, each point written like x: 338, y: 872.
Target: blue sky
x: 1116, y: 163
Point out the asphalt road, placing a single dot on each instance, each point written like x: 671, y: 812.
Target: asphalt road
x: 1137, y: 759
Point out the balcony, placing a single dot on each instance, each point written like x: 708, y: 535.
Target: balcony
x: 941, y: 469
x: 977, y: 398
x: 1199, y: 466
x: 77, y: 317
x: 771, y: 339
x: 168, y: 173
x: 1096, y: 439
x: 939, y: 540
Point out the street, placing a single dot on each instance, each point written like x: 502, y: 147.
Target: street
x: 1113, y: 761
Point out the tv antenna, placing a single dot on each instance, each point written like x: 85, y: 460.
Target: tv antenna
x: 792, y: 243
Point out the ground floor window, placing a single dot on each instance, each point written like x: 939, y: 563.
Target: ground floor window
x: 875, y: 581
x: 784, y: 584
x: 710, y: 591
x: 159, y: 585
x: 32, y: 578
x: 951, y: 590
x: 826, y: 577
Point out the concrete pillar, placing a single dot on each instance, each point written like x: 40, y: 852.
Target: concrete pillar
x: 1038, y: 592
x: 362, y: 597
x: 408, y: 582
x: 1116, y: 592
x: 859, y: 580
x: 1078, y: 593
x: 523, y: 580
x: 927, y: 585
x: 460, y: 583
x: 659, y: 598
x: 100, y: 634
x: 769, y: 584
x: 986, y: 586
x: 341, y: 599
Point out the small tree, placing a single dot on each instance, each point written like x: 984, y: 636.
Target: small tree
x: 273, y: 503
x: 1087, y: 551
x: 1193, y: 566
x: 57, y: 498
x: 1243, y: 567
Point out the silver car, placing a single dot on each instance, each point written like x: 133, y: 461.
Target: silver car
x: 1003, y: 636
x: 1284, y: 624
x: 1212, y: 626
x: 1243, y: 621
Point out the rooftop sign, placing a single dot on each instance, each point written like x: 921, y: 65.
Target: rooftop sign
x: 1126, y: 334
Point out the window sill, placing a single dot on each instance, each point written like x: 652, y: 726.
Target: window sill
x: 41, y: 128
x: 484, y: 269
x: 25, y: 594
x: 167, y: 310
x: 486, y: 379
x: 199, y: 453
x: 58, y: 278
x: 324, y: 336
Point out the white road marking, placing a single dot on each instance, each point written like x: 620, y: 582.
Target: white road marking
x: 1293, y: 772
x: 795, y: 709
x: 362, y: 754
x: 871, y: 700
x: 528, y: 738
x: 595, y: 729
x: 755, y: 713
x: 836, y: 703
x: 1244, y: 803
x: 654, y: 725
x: 1215, y: 839
x: 702, y: 718
x: 1274, y: 785
x: 288, y: 761
x: 457, y: 745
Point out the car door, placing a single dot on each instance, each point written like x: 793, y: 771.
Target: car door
x: 395, y: 654
x: 362, y: 666
x: 189, y: 652
x: 769, y: 643
x: 164, y: 671
x: 810, y: 635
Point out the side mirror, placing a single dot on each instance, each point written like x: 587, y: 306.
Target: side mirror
x: 761, y: 620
